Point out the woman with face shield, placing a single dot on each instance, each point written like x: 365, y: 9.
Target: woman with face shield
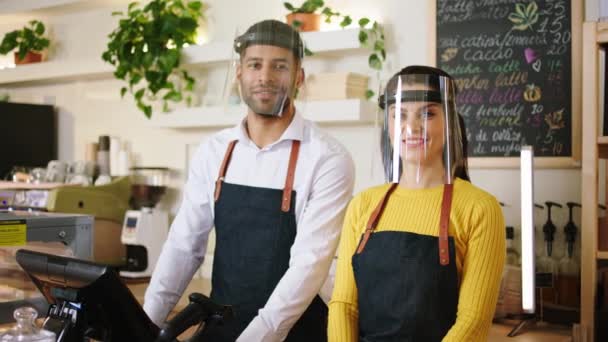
x: 420, y: 258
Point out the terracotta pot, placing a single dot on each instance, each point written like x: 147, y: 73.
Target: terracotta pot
x: 309, y: 21
x: 30, y: 57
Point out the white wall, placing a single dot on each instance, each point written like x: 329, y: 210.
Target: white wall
x: 92, y: 108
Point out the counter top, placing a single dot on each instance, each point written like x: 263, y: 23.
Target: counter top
x: 498, y: 333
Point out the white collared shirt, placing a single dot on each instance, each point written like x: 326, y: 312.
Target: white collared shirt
x: 323, y: 183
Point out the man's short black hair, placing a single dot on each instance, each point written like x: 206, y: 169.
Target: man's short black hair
x: 271, y: 32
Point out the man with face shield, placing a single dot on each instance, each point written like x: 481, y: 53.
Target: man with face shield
x: 420, y: 258
x: 275, y: 188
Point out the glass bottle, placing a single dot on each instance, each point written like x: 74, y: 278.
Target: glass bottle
x: 26, y: 330
x: 568, y: 281
x: 546, y: 270
x: 511, y: 281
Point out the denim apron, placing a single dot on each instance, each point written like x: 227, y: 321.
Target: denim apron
x: 255, y: 228
x: 407, y: 286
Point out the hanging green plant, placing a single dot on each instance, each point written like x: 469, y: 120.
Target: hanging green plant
x: 147, y: 47
x: 29, y: 39
x: 371, y: 35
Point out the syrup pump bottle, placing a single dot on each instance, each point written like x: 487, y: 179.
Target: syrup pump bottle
x: 546, y: 268
x: 568, y: 277
x: 538, y: 237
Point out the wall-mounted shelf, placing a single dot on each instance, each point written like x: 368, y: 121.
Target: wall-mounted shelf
x: 321, y: 43
x: 334, y: 111
x: 602, y: 255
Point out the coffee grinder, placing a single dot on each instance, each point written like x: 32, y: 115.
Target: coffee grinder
x: 145, y: 228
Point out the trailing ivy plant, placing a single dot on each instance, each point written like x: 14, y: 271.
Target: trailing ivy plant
x: 370, y: 36
x: 29, y: 38
x: 146, y: 47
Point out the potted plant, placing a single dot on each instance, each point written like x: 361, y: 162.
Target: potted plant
x: 304, y: 18
x: 147, y: 46
x: 28, y: 41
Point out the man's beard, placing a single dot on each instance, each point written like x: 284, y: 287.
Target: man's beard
x: 274, y: 107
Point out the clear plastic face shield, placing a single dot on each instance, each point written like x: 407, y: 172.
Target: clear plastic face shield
x: 268, y: 69
x: 421, y: 136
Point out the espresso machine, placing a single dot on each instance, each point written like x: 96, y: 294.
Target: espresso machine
x: 145, y: 228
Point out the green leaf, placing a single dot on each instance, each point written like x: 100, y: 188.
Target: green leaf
x: 187, y: 24
x: 132, y: 5
x: 115, y: 13
x: 21, y: 53
x: 165, y: 106
x: 139, y: 94
x: 169, y: 25
x: 346, y: 21
x: 39, y: 28
x: 362, y: 37
x: 374, y: 62
x: 289, y: 6
x: 146, y: 109
x: 379, y: 45
x: 369, y: 94
x: 152, y: 76
x: 173, y: 96
x: 123, y: 90
x: 195, y: 5
x: 135, y: 79
x: 307, y: 52
x: 363, y: 22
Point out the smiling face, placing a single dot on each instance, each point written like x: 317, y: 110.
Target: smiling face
x: 269, y: 77
x: 422, y: 130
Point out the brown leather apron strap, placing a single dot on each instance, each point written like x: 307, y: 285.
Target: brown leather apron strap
x: 373, y: 219
x: 291, y: 172
x: 223, y: 168
x: 444, y: 224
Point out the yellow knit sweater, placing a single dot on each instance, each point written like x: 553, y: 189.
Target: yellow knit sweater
x: 477, y: 226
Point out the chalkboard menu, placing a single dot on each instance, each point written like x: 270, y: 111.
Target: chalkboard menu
x: 511, y: 60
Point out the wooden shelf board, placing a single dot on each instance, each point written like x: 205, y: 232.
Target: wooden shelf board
x: 602, y: 255
x: 602, y: 32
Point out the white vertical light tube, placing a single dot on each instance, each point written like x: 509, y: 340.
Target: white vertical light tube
x: 527, y: 230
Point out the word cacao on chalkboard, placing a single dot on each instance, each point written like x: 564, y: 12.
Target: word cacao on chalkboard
x: 511, y: 60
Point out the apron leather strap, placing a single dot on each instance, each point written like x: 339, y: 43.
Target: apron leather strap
x: 444, y: 223
x: 291, y: 172
x: 223, y: 168
x: 289, y: 179
x: 373, y: 219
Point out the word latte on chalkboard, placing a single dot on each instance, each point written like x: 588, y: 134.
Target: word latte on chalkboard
x: 511, y: 60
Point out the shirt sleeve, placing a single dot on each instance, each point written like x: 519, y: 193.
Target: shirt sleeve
x: 481, y: 274
x: 184, y: 250
x: 315, y: 244
x: 343, y: 324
